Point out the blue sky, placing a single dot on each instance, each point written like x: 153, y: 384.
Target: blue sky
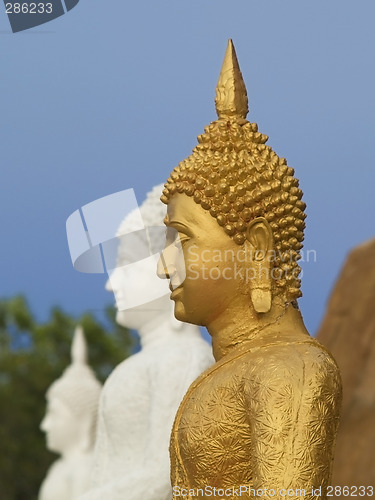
x: 113, y: 94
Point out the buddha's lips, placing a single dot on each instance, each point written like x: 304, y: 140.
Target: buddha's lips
x: 174, y: 291
x: 172, y: 287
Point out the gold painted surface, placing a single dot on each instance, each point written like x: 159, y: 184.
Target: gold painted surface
x: 231, y: 95
x: 265, y: 415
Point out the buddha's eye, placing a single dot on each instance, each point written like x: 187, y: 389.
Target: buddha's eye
x: 174, y: 237
x: 183, y: 239
x: 170, y: 235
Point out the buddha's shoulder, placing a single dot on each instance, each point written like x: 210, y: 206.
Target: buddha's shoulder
x: 288, y: 359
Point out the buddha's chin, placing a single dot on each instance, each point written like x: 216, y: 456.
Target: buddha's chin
x: 180, y: 312
x: 52, y: 446
x: 185, y: 316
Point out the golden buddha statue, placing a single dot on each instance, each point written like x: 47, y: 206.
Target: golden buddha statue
x: 262, y: 421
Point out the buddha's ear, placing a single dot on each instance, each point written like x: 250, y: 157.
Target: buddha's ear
x: 259, y: 235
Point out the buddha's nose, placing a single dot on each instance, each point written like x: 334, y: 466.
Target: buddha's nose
x: 114, y: 280
x: 166, y: 267
x: 108, y: 286
x: 44, y: 424
x: 162, y: 270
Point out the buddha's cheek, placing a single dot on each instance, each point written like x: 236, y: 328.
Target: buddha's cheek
x: 204, y: 293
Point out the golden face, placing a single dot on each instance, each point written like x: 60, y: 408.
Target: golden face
x: 201, y: 262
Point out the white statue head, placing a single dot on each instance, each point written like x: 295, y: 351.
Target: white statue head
x: 141, y: 296
x: 72, y: 404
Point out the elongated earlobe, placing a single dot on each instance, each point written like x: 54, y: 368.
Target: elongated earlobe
x: 261, y: 297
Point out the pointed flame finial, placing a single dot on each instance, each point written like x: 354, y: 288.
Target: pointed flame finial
x: 231, y: 95
x: 79, y: 347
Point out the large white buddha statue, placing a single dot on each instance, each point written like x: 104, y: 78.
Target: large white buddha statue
x: 140, y: 398
x: 70, y: 425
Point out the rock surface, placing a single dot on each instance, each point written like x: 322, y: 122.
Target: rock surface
x: 348, y: 330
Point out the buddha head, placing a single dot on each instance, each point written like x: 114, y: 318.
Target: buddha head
x: 141, y: 296
x: 72, y: 404
x: 237, y: 209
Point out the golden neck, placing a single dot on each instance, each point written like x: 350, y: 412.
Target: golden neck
x: 233, y: 328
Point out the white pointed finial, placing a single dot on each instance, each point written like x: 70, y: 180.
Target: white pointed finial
x: 79, y: 347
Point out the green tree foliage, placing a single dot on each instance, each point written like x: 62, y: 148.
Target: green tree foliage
x: 32, y: 356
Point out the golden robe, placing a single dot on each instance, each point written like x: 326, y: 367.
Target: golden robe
x: 264, y: 417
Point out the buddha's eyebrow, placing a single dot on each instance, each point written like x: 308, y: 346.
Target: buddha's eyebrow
x: 177, y: 224
x: 180, y: 227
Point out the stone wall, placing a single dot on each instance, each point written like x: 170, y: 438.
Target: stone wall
x: 348, y: 330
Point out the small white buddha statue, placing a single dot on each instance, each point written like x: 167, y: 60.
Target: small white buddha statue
x: 70, y: 426
x: 140, y: 398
